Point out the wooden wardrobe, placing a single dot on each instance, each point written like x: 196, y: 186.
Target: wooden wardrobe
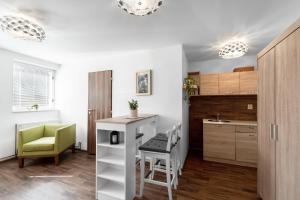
x: 279, y: 117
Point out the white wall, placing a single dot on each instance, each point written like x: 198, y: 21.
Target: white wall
x: 8, y: 119
x: 166, y: 100
x: 185, y: 111
x: 221, y: 65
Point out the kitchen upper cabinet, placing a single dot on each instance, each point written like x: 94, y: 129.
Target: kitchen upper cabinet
x: 248, y: 82
x: 233, y: 83
x: 209, y: 84
x: 229, y: 83
x: 246, y: 144
x: 219, y: 141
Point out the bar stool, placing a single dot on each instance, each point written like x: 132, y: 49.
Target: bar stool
x: 138, y: 143
x: 162, y: 150
x: 158, y: 165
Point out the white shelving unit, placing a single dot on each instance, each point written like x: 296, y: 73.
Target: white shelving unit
x: 115, y: 166
x: 110, y: 167
x: 112, y: 190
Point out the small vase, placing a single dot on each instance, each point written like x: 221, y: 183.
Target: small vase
x: 134, y: 113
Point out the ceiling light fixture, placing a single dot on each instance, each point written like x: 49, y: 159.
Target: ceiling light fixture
x: 22, y: 28
x: 140, y: 7
x: 233, y: 49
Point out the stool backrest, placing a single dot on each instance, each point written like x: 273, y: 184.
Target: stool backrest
x: 178, y: 130
x: 171, y: 138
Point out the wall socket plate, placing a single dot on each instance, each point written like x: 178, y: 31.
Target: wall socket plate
x: 250, y: 106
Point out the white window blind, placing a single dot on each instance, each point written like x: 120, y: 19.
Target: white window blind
x: 32, y: 85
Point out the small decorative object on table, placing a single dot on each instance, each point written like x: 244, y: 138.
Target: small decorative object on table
x: 114, y: 137
x: 133, y: 106
x: 35, y: 107
x: 189, y: 87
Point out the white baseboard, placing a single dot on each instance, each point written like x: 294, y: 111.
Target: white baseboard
x: 6, y: 158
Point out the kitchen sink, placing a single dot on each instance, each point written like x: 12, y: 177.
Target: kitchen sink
x: 220, y: 120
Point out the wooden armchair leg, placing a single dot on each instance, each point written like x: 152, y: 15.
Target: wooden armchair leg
x: 73, y: 148
x: 21, y: 162
x: 56, y: 159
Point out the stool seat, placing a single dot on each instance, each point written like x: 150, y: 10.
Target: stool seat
x: 155, y: 145
x: 139, y: 135
x: 161, y: 136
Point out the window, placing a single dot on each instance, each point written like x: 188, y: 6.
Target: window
x: 33, y: 87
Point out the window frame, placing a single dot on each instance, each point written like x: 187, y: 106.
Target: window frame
x: 52, y: 85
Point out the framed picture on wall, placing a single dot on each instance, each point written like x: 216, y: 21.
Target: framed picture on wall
x: 144, y: 82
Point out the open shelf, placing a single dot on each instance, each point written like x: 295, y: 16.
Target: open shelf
x: 112, y: 174
x: 112, y: 159
x: 110, y: 189
x: 107, y: 144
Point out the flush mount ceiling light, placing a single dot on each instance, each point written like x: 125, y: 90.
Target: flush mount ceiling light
x: 233, y: 49
x: 140, y: 7
x: 22, y: 28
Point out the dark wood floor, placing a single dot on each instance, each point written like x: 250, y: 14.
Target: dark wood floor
x: 200, y: 180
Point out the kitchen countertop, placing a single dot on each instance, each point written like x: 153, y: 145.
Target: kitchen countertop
x: 233, y: 122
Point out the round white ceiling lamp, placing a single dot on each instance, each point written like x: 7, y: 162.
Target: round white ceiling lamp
x: 233, y: 49
x: 140, y: 7
x: 22, y: 28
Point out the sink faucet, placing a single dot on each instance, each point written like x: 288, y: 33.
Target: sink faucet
x: 218, y: 116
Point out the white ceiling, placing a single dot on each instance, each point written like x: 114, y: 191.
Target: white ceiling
x: 76, y: 27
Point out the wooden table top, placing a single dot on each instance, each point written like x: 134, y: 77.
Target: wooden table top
x: 125, y: 119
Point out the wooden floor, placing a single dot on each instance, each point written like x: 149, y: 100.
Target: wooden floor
x: 74, y: 179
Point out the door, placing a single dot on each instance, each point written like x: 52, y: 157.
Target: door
x: 266, y: 117
x: 288, y: 118
x: 99, y: 103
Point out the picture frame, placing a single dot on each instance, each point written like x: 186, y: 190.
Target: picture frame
x: 144, y: 83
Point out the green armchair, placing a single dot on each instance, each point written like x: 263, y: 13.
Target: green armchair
x: 45, y: 141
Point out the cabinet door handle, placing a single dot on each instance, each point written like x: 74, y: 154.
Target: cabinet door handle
x: 276, y: 132
x: 271, y: 131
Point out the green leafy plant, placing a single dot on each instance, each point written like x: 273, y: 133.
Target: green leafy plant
x: 35, y: 106
x: 189, y: 87
x: 133, y: 104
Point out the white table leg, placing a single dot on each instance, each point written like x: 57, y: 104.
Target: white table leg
x: 168, y: 170
x: 142, y: 173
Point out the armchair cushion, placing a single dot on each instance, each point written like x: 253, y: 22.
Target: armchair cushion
x: 31, y: 134
x: 42, y: 144
x: 50, y: 130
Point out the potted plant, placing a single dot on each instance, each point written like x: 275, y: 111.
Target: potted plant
x: 133, y: 106
x: 190, y: 88
x: 35, y: 107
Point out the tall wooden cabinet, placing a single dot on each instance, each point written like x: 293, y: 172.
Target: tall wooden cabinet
x: 266, y: 118
x: 279, y: 117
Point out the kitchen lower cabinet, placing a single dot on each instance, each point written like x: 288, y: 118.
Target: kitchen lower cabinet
x: 233, y: 144
x: 219, y: 141
x: 246, y: 144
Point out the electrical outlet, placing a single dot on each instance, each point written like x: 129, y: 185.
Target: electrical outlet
x: 250, y: 106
